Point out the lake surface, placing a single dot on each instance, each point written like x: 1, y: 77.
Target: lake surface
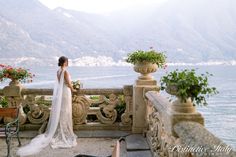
x: 220, y: 114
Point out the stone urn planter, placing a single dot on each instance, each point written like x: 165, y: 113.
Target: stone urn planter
x: 171, y: 89
x: 146, y: 62
x: 13, y: 90
x: 145, y: 69
x: 183, y: 106
x: 15, y: 82
x: 180, y: 105
x: 190, y: 89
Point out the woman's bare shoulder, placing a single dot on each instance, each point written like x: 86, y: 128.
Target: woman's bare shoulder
x: 66, y: 72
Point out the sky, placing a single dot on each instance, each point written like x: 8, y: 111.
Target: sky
x: 98, y: 6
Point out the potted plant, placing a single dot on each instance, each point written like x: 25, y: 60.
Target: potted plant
x: 15, y: 74
x: 188, y: 87
x: 146, y: 62
x: 13, y: 91
x: 3, y: 102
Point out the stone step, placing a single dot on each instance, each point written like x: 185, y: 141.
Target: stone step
x: 134, y: 145
x: 142, y: 153
x: 123, y: 151
x: 136, y: 142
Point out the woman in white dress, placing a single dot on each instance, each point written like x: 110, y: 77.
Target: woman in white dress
x: 59, y: 132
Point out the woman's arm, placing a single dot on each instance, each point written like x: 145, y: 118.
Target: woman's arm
x: 68, y: 81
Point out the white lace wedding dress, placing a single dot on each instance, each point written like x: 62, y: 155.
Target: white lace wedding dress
x: 59, y: 132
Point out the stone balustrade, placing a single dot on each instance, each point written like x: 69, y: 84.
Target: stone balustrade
x: 109, y: 108
x: 171, y: 133
x: 172, y: 129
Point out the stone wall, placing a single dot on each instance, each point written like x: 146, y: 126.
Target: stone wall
x: 172, y: 133
x: 196, y: 138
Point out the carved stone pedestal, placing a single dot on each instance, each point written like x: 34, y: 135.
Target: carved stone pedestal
x: 14, y: 99
x: 183, y: 106
x: 139, y: 104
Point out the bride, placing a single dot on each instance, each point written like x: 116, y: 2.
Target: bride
x: 59, y: 132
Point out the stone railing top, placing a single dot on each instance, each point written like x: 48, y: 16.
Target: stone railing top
x: 159, y: 102
x: 195, y: 136
x: 103, y: 91
x: 89, y: 91
x: 164, y: 106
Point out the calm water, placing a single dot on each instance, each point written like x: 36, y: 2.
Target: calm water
x: 220, y: 114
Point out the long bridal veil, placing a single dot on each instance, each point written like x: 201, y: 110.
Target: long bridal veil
x: 43, y: 140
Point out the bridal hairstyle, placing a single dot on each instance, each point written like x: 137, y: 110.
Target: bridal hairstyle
x: 62, y: 60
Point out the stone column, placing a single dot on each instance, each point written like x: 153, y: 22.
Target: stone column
x: 139, y: 103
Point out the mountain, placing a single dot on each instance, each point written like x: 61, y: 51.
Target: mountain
x: 54, y: 29
x: 200, y: 29
x: 188, y: 30
x: 14, y: 41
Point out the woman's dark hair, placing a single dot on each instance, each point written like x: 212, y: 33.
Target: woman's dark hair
x: 62, y: 60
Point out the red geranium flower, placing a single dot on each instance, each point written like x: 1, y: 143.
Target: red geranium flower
x: 20, y: 74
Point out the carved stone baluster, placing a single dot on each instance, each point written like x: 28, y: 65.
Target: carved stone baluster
x: 126, y: 116
x: 80, y: 107
x: 155, y: 131
x: 108, y: 114
x: 38, y: 113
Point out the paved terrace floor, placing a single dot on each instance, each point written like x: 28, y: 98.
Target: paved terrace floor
x: 97, y: 143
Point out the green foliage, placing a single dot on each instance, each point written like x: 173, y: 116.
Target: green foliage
x: 20, y: 74
x: 94, y: 97
x: 151, y: 56
x: 189, y: 85
x: 3, y: 102
x: 120, y: 108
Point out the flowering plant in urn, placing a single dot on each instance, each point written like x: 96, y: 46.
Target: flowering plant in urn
x: 15, y: 74
x: 146, y: 62
x: 188, y: 84
x: 151, y: 56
